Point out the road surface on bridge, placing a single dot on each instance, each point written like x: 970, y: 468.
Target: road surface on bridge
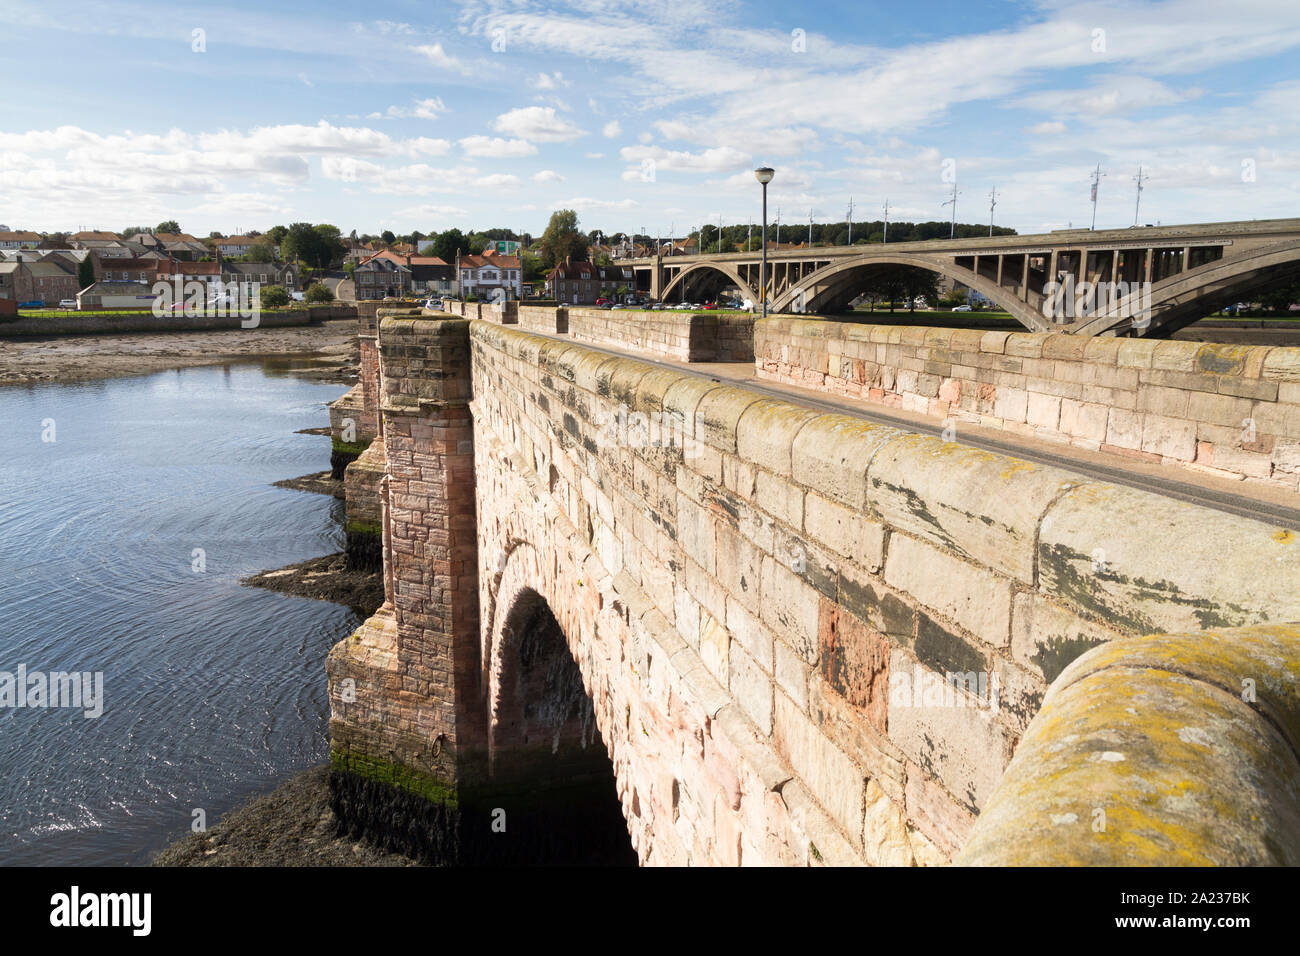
x: 1244, y: 499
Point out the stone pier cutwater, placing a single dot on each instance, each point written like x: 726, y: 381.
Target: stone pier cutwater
x: 602, y: 649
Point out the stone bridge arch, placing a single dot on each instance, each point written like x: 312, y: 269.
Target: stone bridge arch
x: 834, y: 283
x: 549, y: 772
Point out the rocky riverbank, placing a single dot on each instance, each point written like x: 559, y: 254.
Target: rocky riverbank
x: 326, y: 578
x: 291, y: 826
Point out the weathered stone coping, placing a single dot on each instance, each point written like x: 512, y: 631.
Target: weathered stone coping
x: 1166, y: 750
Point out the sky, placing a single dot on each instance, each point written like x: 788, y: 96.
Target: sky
x: 646, y: 115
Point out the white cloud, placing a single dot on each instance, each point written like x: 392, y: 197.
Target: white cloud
x: 547, y: 176
x: 718, y: 159
x: 439, y: 57
x: 419, y: 109
x: 586, y: 202
x: 491, y: 147
x: 611, y: 129
x: 498, y: 179
x: 594, y: 155
x: 538, y: 123
x: 550, y: 81
x: 1113, y: 95
x: 1047, y: 128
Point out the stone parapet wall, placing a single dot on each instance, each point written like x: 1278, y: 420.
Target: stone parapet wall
x: 682, y: 336
x: 1226, y: 410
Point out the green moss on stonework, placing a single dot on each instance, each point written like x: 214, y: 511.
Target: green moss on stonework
x: 349, y: 448
x: 363, y: 527
x: 396, y: 775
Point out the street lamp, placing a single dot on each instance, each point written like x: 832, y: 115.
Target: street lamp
x: 764, y: 175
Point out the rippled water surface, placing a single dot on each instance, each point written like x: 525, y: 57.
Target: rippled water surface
x: 212, y: 691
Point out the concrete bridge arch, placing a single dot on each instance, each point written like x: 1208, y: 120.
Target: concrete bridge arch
x: 680, y: 282
x: 833, y: 285
x: 1181, y: 299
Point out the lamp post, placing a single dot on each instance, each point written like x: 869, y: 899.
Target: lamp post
x: 764, y: 175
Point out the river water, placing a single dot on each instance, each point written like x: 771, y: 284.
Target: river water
x: 122, y: 543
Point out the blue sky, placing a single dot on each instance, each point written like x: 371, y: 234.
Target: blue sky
x: 650, y: 115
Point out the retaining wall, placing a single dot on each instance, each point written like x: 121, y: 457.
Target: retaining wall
x: 74, y: 324
x: 1227, y: 410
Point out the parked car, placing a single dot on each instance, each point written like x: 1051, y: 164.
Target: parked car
x: 603, y: 301
x: 657, y: 307
x: 709, y: 306
x: 961, y: 308
x: 67, y: 303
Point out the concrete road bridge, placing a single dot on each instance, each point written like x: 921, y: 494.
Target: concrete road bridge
x: 1192, y: 270
x: 641, y: 612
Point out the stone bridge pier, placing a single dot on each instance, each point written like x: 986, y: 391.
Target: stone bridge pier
x: 637, y: 615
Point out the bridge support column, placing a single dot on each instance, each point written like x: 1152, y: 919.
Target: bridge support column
x: 407, y: 743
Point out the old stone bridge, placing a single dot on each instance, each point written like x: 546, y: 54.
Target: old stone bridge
x: 1192, y: 270
x: 646, y: 608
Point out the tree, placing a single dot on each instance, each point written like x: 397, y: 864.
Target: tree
x: 168, y: 225
x: 273, y: 297
x: 1279, y: 298
x: 332, y: 248
x: 130, y: 231
x: 317, y: 246
x: 388, y: 237
x: 562, y: 239
x: 952, y: 297
x: 445, y: 246
x: 317, y: 292
x: 920, y: 283
x: 276, y: 234
x: 534, y: 268
x: 86, y: 272
x: 262, y: 251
